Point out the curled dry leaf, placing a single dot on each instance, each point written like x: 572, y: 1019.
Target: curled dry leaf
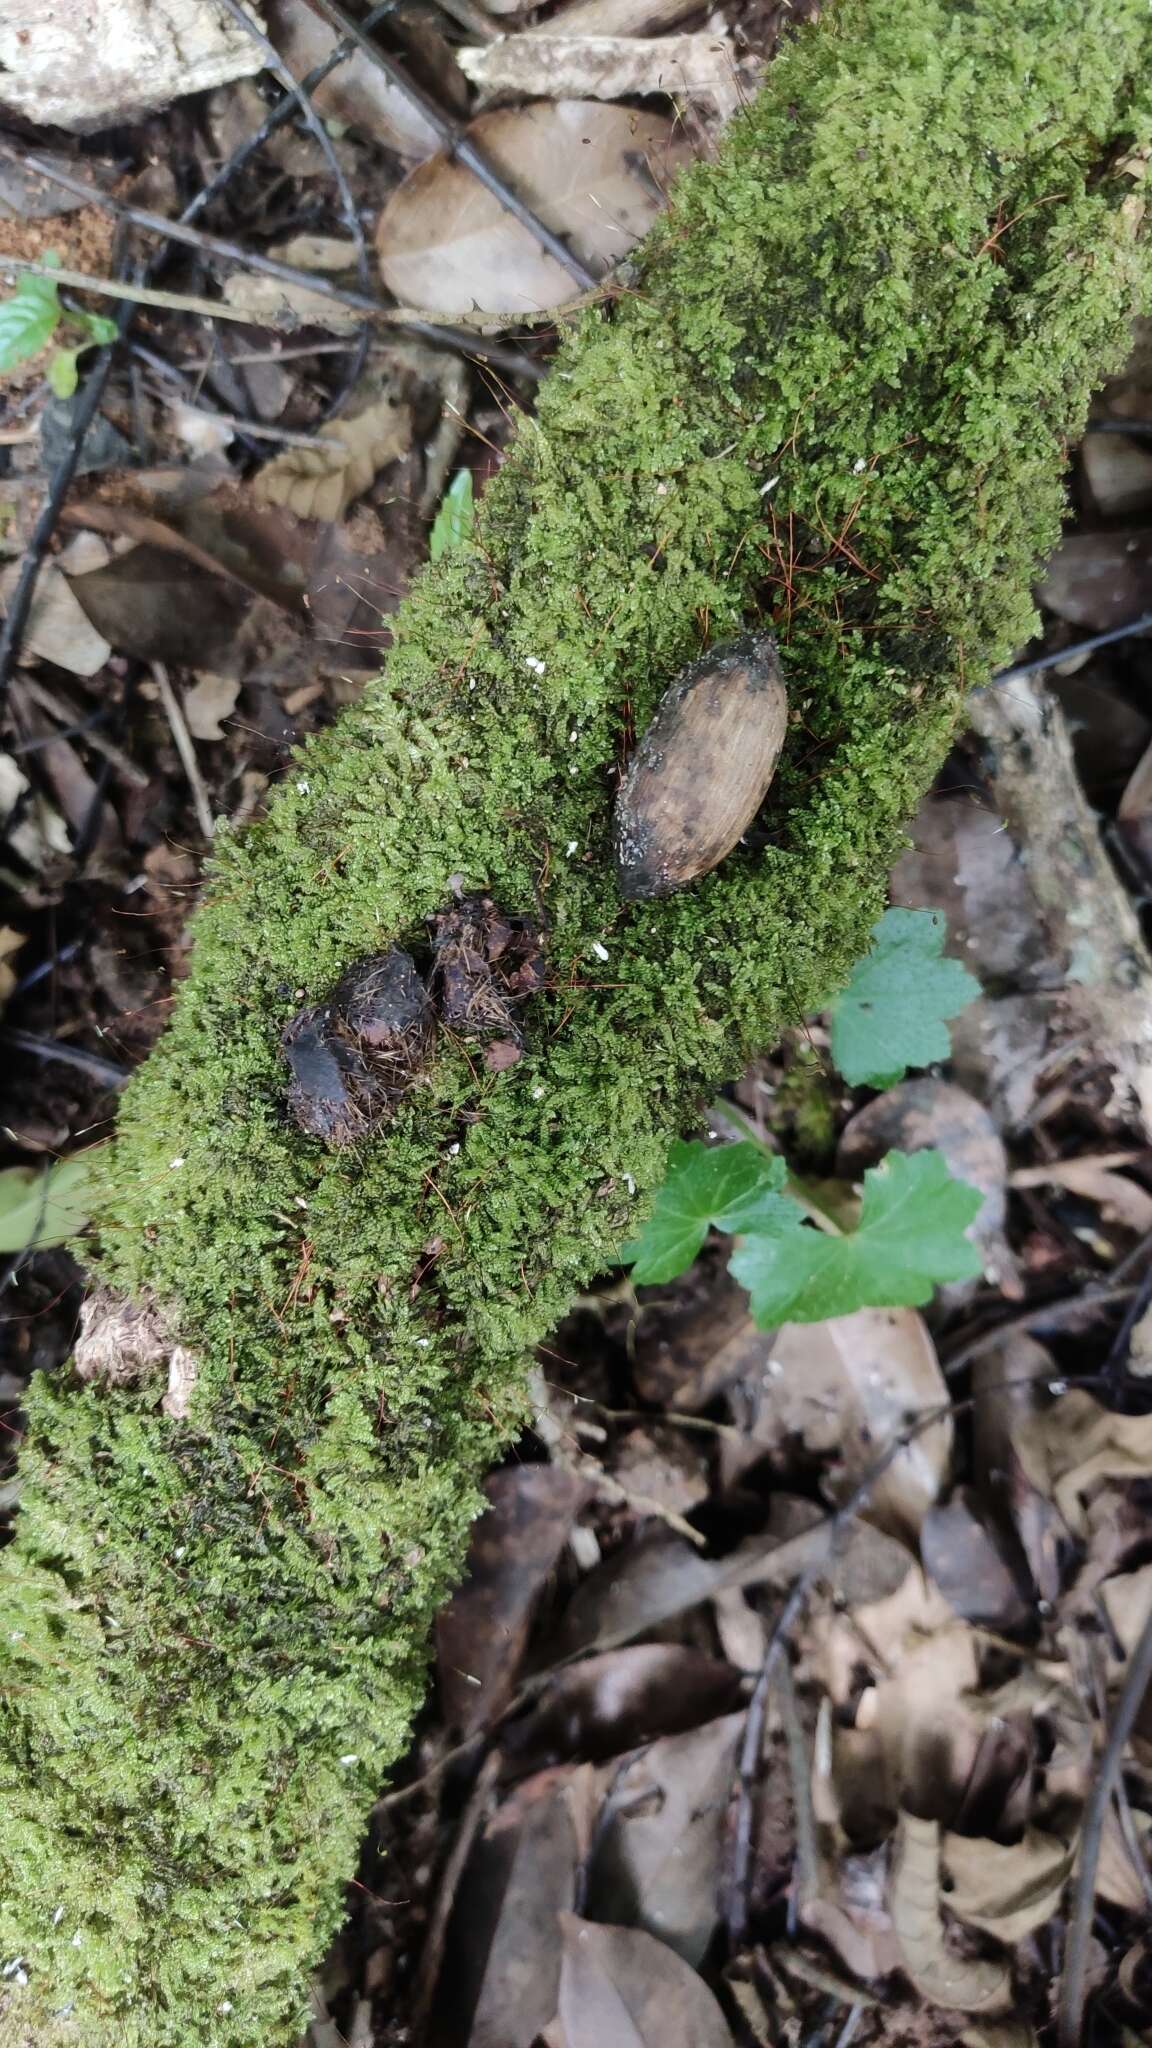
x: 321, y: 482
x: 1007, y: 1889
x: 515, y: 1544
x: 926, y: 1113
x: 914, y: 1737
x: 657, y: 1860
x: 701, y: 67
x: 1075, y: 1445
x: 620, y: 1985
x: 10, y: 944
x: 595, y: 174
x: 938, y: 1973
x: 210, y: 699
x: 846, y: 1387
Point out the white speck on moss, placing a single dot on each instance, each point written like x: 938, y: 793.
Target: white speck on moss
x: 600, y: 951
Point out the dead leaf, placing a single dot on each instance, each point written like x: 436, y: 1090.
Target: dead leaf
x: 210, y: 699
x: 898, y: 1668
x: 1117, y: 1878
x: 321, y: 482
x: 357, y: 92
x: 58, y: 629
x: 844, y: 1388
x: 938, y: 1973
x: 1000, y: 2034
x: 501, y: 1978
x: 1008, y: 1382
x: 153, y: 605
x: 10, y: 944
x: 660, y: 1837
x: 619, y: 1985
x: 964, y: 863
x: 515, y: 1544
x: 929, y: 1113
x: 595, y: 174
x: 1076, y: 1444
x: 1117, y: 469
x: 688, y: 1351
x: 1099, y: 580
x: 1007, y: 1890
x: 661, y: 1575
x: 963, y: 1557
x: 700, y: 67
x: 1120, y: 1199
x: 612, y: 1702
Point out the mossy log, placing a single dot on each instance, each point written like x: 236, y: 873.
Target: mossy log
x: 835, y: 402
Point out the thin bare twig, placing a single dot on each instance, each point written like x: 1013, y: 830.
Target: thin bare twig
x: 279, y: 115
x: 137, y: 294
x: 178, y: 724
x: 282, y: 73
x: 1074, y: 1980
x: 1079, y: 647
x: 456, y: 139
x: 475, y: 1813
x: 54, y: 1049
x: 67, y: 716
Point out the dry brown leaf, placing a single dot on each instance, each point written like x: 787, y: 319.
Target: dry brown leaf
x: 963, y: 1554
x: 1120, y: 1200
x: 501, y: 1974
x: 1076, y: 1444
x: 321, y: 482
x: 846, y: 1387
x: 1099, y: 580
x: 961, y: 1984
x: 210, y: 699
x: 612, y: 1702
x: 1117, y: 1878
x: 621, y: 1986
x: 514, y: 1545
x: 595, y: 174
x: 701, y: 67
x: 1128, y: 1599
x: 10, y: 943
x: 1007, y: 1890
x: 915, y: 1736
x: 1000, y: 2034
x: 58, y: 629
x: 660, y: 1837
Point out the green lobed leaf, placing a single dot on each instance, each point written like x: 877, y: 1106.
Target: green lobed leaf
x: 28, y: 319
x: 892, y: 1014
x: 709, y: 1187
x: 44, y: 1206
x: 453, y: 523
x: 910, y: 1239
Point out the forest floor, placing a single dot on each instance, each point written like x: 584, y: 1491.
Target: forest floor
x: 654, y: 1797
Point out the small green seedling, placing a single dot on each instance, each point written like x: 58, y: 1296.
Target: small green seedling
x: 910, y: 1237
x: 34, y: 314
x: 892, y: 1014
x: 453, y: 523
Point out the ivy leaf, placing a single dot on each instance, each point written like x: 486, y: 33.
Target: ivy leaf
x: 453, y: 523
x: 891, y: 1015
x: 709, y: 1187
x: 39, y: 1207
x: 28, y: 319
x: 910, y: 1239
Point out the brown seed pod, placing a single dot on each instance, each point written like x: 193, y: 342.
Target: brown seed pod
x: 702, y: 769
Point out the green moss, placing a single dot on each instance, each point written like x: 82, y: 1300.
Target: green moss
x: 836, y: 400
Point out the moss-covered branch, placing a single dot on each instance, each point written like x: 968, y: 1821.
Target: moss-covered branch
x: 836, y: 398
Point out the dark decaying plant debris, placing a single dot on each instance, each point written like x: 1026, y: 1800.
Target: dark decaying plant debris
x: 771, y: 1709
